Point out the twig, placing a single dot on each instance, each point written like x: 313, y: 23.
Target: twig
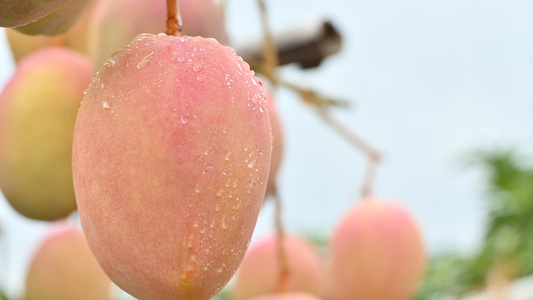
x: 270, y: 52
x: 374, y: 157
x: 174, y: 23
x: 270, y: 63
x: 312, y: 98
x: 284, y: 270
x: 321, y: 106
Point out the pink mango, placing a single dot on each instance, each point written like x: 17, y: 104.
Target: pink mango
x: 278, y: 144
x: 286, y: 296
x: 172, y: 150
x: 260, y: 268
x: 64, y: 269
x: 377, y: 253
x: 38, y: 109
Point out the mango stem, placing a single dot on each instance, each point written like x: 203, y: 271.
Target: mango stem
x: 174, y: 23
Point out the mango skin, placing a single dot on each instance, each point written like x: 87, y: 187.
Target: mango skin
x: 259, y: 270
x: 377, y: 253
x: 286, y: 296
x: 64, y: 268
x: 171, y: 156
x: 113, y: 26
x: 38, y: 108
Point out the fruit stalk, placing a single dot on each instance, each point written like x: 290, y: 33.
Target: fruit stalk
x: 374, y: 157
x: 174, y: 24
x: 270, y: 66
x: 284, y: 271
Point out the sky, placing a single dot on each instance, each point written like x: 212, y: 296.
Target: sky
x: 429, y: 83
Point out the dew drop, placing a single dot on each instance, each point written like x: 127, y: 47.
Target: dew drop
x: 142, y: 36
x: 181, y: 59
x: 228, y: 182
x: 106, y: 104
x: 251, y: 164
x: 239, y: 66
x: 217, y: 207
x: 197, y: 188
x: 197, y: 67
x: 222, y: 268
x: 227, y: 156
x: 235, y: 183
x: 224, y: 222
x: 185, y: 118
x: 213, y: 223
x: 200, y: 78
x: 253, y: 183
x: 209, y: 151
x: 230, y: 195
x: 219, y: 193
x: 111, y: 61
x: 145, y: 61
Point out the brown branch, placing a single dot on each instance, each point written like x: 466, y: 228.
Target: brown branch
x: 270, y: 52
x: 307, y: 46
x: 174, y: 24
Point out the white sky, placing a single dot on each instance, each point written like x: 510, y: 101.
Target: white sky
x: 430, y: 82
